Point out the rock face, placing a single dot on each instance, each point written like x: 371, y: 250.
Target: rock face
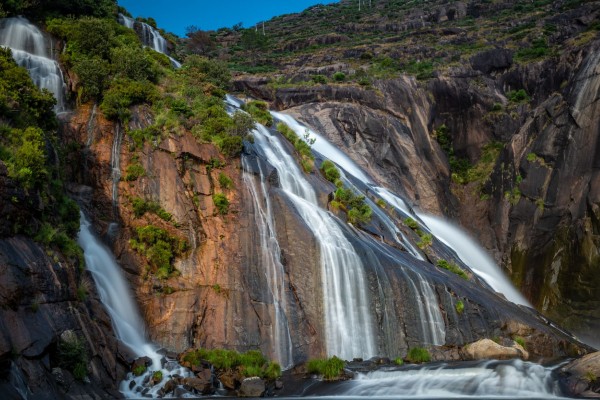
x: 38, y: 304
x: 252, y: 387
x: 583, y: 376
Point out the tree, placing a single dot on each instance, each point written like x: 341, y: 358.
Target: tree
x: 198, y: 41
x: 253, y: 40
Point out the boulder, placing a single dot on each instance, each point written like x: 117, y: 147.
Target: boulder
x: 199, y: 385
x: 230, y: 380
x: 492, y: 60
x: 252, y: 387
x: 583, y: 376
x: 485, y: 349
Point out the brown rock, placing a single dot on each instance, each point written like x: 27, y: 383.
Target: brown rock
x: 230, y: 380
x: 485, y: 349
x: 252, y: 387
x: 199, y: 385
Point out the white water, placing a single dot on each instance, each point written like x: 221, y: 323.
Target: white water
x: 115, y: 294
x: 150, y: 37
x: 474, y: 256
x: 323, y: 146
x: 115, y: 162
x: 271, y: 261
x: 513, y: 379
x: 129, y: 327
x: 32, y: 50
x: 349, y: 330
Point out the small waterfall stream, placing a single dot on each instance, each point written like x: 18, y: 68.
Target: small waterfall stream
x: 271, y: 261
x: 32, y: 50
x: 124, y: 314
x: 149, y: 36
x: 115, y: 163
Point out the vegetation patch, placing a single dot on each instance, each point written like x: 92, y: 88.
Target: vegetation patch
x: 329, y: 368
x: 72, y: 356
x: 459, y: 306
x: 141, y: 207
x: 426, y: 239
x: 302, y: 146
x: 250, y: 363
x: 221, y: 203
x: 418, y: 355
x: 452, y: 267
x: 159, y: 247
x: 259, y: 111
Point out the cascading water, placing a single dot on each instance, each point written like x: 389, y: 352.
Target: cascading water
x: 31, y: 50
x: 115, y: 163
x: 349, y: 330
x: 271, y: 261
x: 116, y: 297
x: 150, y: 37
x: 490, y: 379
x: 474, y: 256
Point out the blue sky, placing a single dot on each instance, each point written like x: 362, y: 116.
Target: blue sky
x: 175, y: 15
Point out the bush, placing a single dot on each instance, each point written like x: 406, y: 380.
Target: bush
x: 330, y: 171
x: 399, y: 361
x: 518, y: 96
x: 319, y: 79
x: 302, y: 147
x: 132, y: 62
x: 159, y: 248
x: 224, y: 181
x: 339, y: 77
x: 520, y: 341
x: 72, y: 356
x: 418, y: 355
x: 250, y: 363
x: 460, y: 306
x: 259, y: 111
x: 221, y: 203
x: 411, y: 223
x: 157, y: 377
x: 139, y: 370
x: 426, y: 241
x: 134, y: 171
x: 124, y: 93
x: 329, y: 368
x: 450, y: 266
x: 93, y: 75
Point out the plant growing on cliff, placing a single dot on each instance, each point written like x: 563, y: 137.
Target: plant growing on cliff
x: 452, y: 267
x: 159, y: 247
x: 418, y: 355
x: 302, y: 147
x: 221, y: 203
x: 329, y: 368
x: 224, y: 181
x: 330, y: 172
x: 259, y: 111
x: 520, y: 341
x: 459, y: 306
x: 250, y: 363
x: 134, y: 171
x: 141, y: 207
x: 72, y: 356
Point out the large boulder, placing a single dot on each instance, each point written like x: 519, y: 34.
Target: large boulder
x: 252, y: 387
x: 583, y: 376
x: 486, y: 349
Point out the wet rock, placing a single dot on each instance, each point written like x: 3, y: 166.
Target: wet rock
x: 486, y: 349
x: 230, y: 380
x: 199, y: 385
x: 582, y: 376
x: 252, y: 387
x: 168, y: 387
x: 492, y: 60
x: 142, y: 362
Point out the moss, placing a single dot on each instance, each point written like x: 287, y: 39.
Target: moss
x: 520, y: 341
x: 139, y: 370
x: 225, y: 181
x: 250, y: 363
x: 459, y: 306
x: 221, y: 203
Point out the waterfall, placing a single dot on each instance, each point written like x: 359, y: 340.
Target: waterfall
x: 489, y: 379
x: 31, y: 50
x: 115, y: 163
x: 115, y: 294
x: 271, y: 261
x: 150, y: 37
x: 127, y: 323
x: 474, y: 256
x: 349, y: 329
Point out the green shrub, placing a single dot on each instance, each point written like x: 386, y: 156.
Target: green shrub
x: 259, y: 111
x: 450, y: 266
x: 532, y: 157
x: 399, y: 361
x: 426, y: 241
x: 329, y: 368
x: 339, y: 77
x: 319, y: 79
x: 518, y: 96
x: 460, y: 306
x: 134, y: 171
x: 124, y: 93
x: 418, y: 355
x: 330, y: 171
x: 72, y: 356
x: 140, y: 136
x: 250, y: 363
x: 221, y: 203
x: 411, y: 223
x: 224, y: 181
x: 302, y: 147
x: 93, y: 73
x: 159, y: 247
x: 139, y: 370
x: 157, y: 376
x: 141, y: 207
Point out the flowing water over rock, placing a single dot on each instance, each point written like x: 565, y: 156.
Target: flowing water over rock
x: 150, y: 37
x: 129, y: 327
x: 491, y: 379
x: 33, y: 51
x: 349, y: 330
x: 474, y: 256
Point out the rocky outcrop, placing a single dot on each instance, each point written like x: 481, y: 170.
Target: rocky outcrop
x: 582, y: 376
x: 43, y: 297
x: 486, y: 349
